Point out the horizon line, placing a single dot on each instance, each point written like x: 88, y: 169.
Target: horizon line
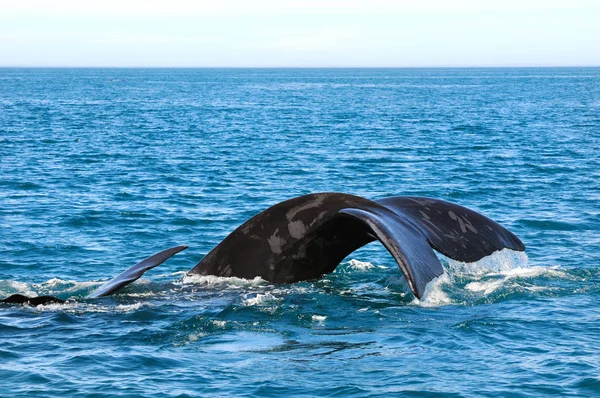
x: 295, y: 67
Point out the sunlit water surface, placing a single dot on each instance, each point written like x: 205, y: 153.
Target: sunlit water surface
x: 103, y: 167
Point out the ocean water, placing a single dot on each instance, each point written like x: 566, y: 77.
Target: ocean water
x: 100, y: 168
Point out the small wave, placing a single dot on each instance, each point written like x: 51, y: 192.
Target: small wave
x: 8, y: 287
x: 142, y: 294
x: 435, y: 295
x: 357, y: 265
x: 56, y: 285
x: 172, y: 274
x: 485, y: 287
x: 490, y: 286
x: 218, y: 323
x: 78, y: 307
x: 532, y: 272
x: 220, y: 281
x: 134, y: 214
x: 360, y: 265
x: 192, y: 338
x: 262, y: 299
x: 129, y: 307
x: 503, y: 260
x: 501, y: 270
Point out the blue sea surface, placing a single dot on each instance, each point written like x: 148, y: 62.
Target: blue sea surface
x: 100, y: 168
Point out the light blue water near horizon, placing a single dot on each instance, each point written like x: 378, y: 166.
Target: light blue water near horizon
x: 100, y: 168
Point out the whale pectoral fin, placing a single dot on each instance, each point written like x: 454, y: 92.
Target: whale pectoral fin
x: 407, y: 245
x: 135, y: 272
x: 34, y: 301
x: 453, y: 230
x: 109, y: 287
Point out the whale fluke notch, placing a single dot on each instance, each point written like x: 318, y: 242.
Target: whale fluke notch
x: 308, y: 236
x: 135, y: 272
x: 414, y: 256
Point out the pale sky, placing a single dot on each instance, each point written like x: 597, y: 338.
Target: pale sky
x: 251, y: 33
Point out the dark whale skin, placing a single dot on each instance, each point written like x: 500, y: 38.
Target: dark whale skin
x: 308, y: 236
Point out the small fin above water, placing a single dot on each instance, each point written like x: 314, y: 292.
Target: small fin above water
x: 135, y: 272
x: 118, y: 282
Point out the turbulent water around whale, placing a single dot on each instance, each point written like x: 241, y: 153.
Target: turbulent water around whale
x: 100, y: 168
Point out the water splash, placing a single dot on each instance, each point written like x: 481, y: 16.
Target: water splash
x: 221, y: 281
x: 8, y: 287
x: 466, y: 283
x: 503, y: 260
x: 461, y: 283
x: 262, y: 299
x: 435, y: 295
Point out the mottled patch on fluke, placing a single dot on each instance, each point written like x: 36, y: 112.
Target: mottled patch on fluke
x: 453, y: 230
x: 308, y: 236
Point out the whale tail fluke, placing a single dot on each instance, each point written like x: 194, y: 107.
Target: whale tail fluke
x: 453, y: 230
x: 308, y: 236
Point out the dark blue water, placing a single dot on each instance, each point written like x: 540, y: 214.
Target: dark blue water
x: 103, y: 167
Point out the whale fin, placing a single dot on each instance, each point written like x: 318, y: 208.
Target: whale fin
x: 135, y: 272
x: 406, y: 244
x: 118, y: 282
x: 453, y: 230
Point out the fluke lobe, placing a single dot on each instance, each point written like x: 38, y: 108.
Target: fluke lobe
x: 308, y: 236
